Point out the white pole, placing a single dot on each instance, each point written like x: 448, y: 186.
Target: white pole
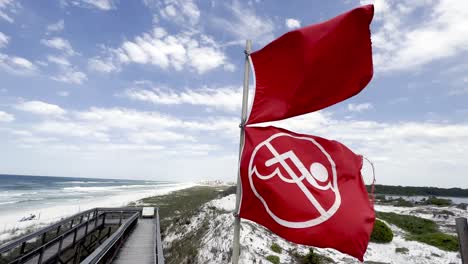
x: 245, y: 94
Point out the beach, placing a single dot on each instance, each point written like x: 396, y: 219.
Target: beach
x: 49, y: 199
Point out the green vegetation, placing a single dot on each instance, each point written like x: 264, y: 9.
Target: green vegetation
x: 310, y: 258
x: 438, y: 201
x: 439, y: 240
x: 381, y: 233
x: 181, y: 205
x: 412, y: 224
x: 273, y: 259
x: 422, y: 230
x: 276, y: 248
x: 402, y: 250
x: 403, y: 203
x: 420, y: 191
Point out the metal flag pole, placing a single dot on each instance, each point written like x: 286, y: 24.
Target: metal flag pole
x: 245, y: 94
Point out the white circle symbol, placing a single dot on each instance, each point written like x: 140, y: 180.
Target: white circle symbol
x: 316, y: 172
x: 319, y: 172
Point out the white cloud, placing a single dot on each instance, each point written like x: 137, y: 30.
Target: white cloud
x: 99, y: 65
x: 220, y: 98
x: 159, y: 136
x: 70, y: 75
x: 359, y: 107
x: 197, y: 51
x: 6, y: 117
x: 414, y: 33
x: 56, y: 27
x: 4, y: 39
x: 71, y: 129
x: 59, y: 60
x: 8, y: 8
x: 205, y: 58
x: 245, y: 24
x: 292, y: 23
x: 182, y: 12
x: 104, y: 5
x: 59, y: 44
x: 16, y: 65
x: 40, y: 108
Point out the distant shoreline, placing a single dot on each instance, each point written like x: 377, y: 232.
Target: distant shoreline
x: 418, y: 191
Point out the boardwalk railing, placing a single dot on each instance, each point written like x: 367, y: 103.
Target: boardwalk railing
x: 49, y: 243
x: 37, y: 243
x: 159, y: 250
x: 107, y: 250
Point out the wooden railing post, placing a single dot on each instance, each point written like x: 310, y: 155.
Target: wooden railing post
x: 96, y: 218
x: 41, y: 254
x: 74, y: 236
x: 44, y: 236
x: 59, y: 250
x: 462, y: 231
x: 23, y: 247
x: 86, y: 228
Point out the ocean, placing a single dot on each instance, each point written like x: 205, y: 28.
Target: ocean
x: 50, y: 198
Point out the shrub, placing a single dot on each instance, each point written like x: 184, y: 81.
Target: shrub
x: 276, y: 248
x: 439, y: 240
x: 413, y: 224
x: 311, y: 258
x: 381, y: 233
x: 403, y: 203
x: 402, y: 250
x: 438, y: 201
x: 273, y: 259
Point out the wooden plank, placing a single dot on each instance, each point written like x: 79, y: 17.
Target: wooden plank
x: 140, y: 245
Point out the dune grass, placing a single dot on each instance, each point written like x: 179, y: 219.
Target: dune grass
x: 422, y: 230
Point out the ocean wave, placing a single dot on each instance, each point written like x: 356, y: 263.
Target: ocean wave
x: 85, y: 182
x: 16, y: 194
x: 8, y: 202
x: 118, y: 187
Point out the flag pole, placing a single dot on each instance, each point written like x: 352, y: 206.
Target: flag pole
x: 245, y: 94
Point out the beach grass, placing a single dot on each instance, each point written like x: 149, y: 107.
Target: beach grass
x: 183, y: 204
x: 422, y: 230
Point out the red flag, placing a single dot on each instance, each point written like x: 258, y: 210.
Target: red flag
x: 311, y: 68
x: 307, y: 189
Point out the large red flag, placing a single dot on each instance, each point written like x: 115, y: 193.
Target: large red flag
x: 306, y: 189
x: 313, y: 67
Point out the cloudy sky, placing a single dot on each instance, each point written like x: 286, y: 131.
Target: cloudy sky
x: 151, y: 89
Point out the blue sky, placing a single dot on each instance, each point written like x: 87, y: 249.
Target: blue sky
x: 151, y: 89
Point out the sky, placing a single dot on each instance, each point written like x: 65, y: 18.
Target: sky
x: 151, y: 89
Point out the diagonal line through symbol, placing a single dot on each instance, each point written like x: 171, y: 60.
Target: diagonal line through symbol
x: 296, y: 179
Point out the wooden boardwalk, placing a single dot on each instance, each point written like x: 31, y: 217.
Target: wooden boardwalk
x: 140, y: 246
